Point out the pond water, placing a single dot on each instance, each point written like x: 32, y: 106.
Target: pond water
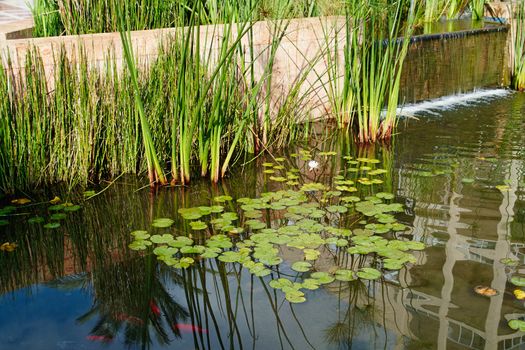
x: 458, y: 171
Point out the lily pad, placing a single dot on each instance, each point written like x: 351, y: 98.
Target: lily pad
x: 368, y: 273
x: 162, y: 222
x: 52, y: 225
x: 301, y: 266
x: 72, y: 208
x: 518, y: 281
x: 162, y: 239
x: 322, y: 277
x: 36, y: 220
x: 139, y: 244
x: 517, y: 325
x: 198, y: 225
x: 345, y: 275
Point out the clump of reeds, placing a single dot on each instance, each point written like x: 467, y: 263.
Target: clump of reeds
x: 192, y: 108
x: 518, y: 46
x: 377, y: 39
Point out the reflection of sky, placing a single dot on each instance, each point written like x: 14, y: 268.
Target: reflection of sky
x: 45, y: 318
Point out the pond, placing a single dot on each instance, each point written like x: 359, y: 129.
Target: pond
x: 365, y: 248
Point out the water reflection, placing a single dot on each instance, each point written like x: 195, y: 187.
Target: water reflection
x: 124, y: 300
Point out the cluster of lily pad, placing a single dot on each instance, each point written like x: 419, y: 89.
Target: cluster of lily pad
x: 311, y: 218
x: 57, y: 210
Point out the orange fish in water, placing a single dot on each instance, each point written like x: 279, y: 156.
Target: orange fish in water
x: 102, y: 338
x: 189, y: 328
x: 154, y: 308
x: 485, y: 291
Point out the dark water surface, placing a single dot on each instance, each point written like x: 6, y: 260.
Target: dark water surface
x: 79, y: 286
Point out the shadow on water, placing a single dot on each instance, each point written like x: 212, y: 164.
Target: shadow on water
x: 460, y: 176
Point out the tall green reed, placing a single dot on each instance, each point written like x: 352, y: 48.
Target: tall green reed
x: 155, y: 170
x: 374, y: 59
x: 518, y: 46
x: 478, y: 9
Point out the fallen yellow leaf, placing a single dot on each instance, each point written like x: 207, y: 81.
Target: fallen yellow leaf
x: 55, y: 200
x: 21, y: 201
x: 519, y: 294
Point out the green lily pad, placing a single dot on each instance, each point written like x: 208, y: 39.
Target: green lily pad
x: 140, y: 234
x: 222, y: 199
x: 368, y: 273
x: 36, y: 220
x: 162, y: 222
x: 230, y: 257
x: 467, y: 180
x: 310, y: 283
x: 345, y: 275
x: 139, y: 244
x: 196, y: 249
x: 57, y: 207
x: 72, y: 208
x: 198, y: 225
x: 301, y: 266
x: 162, y: 239
x: 509, y: 262
x: 518, y: 281
x: 52, y: 225
x: 58, y: 216
x: 280, y: 283
x: 322, y: 277
x: 517, y: 325
x: 165, y: 250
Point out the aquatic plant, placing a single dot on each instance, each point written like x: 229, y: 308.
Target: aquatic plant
x: 478, y: 9
x: 380, y: 55
x: 518, y: 45
x: 155, y: 170
x: 321, y: 217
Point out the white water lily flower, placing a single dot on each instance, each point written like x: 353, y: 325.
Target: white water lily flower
x: 313, y: 165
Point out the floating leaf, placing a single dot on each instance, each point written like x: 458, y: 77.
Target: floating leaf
x: 230, y: 257
x: 21, y: 201
x: 344, y: 275
x: 509, y: 262
x: 8, y: 247
x: 368, y: 273
x: 196, y: 249
x: 162, y: 222
x: 467, y: 180
x: 55, y: 200
x: 36, y: 220
x: 519, y: 294
x: 337, y: 209
x: 180, y: 241
x: 162, y: 239
x: 52, y: 225
x: 503, y: 188
x: 4, y: 222
x: 58, y: 216
x: 222, y: 199
x: 518, y: 281
x: 301, y: 266
x: 140, y: 234
x: 322, y: 277
x: 165, y: 251
x: 72, y: 208
x: 198, y: 225
x: 517, y: 325
x: 57, y: 207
